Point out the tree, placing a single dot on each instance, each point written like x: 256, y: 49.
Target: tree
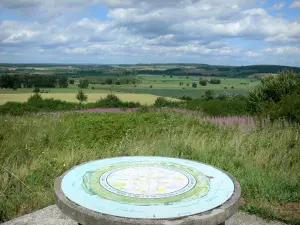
x: 208, y: 95
x: 81, y: 96
x: 63, y: 82
x: 215, y: 81
x: 194, y: 84
x: 72, y: 81
x: 108, y: 81
x: 83, y: 83
x: 180, y: 83
x: 273, y: 89
x: 203, y: 82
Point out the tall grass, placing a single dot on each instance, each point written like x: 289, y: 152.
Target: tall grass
x: 36, y: 149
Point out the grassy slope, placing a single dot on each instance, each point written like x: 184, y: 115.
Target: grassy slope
x: 37, y: 149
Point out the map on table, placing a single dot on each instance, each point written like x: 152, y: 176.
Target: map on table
x: 147, y: 187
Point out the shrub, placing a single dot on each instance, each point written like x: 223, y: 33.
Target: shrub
x: 273, y: 88
x: 203, y: 82
x: 81, y: 96
x: 35, y: 97
x: 36, y: 90
x: 194, y: 85
x: 83, y: 83
x: 162, y: 102
x: 208, y: 95
x: 72, y: 81
x: 217, y: 107
x: 215, y: 81
x: 222, y: 96
x: 186, y: 98
x: 151, y: 86
x: 113, y: 101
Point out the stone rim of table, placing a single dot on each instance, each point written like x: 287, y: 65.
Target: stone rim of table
x: 86, y: 216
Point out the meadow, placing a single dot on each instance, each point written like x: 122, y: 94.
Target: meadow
x: 35, y: 149
x: 145, y: 92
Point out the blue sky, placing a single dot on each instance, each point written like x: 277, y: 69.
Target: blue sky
x: 231, y: 32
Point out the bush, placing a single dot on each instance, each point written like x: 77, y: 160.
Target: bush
x: 215, y: 81
x: 186, y: 98
x: 217, y: 107
x: 81, y: 96
x: 203, y: 82
x: 208, y: 95
x: 273, y: 89
x: 113, y: 101
x: 83, y: 83
x: 222, y: 96
x: 35, y: 97
x: 71, y: 81
x: 36, y: 90
x: 162, y: 102
x: 37, y: 105
x: 194, y: 85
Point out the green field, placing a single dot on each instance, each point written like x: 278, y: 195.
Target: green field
x: 35, y: 149
x: 141, y: 92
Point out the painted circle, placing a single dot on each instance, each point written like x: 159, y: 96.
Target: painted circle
x: 147, y: 187
x: 147, y: 181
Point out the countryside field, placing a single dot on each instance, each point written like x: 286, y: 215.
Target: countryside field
x: 145, y: 92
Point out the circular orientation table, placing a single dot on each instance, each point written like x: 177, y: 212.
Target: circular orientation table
x: 147, y: 190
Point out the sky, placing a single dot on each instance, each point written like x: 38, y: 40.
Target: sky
x: 219, y: 32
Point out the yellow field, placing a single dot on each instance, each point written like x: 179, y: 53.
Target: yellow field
x: 144, y: 99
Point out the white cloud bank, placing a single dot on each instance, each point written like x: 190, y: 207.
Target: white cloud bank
x: 209, y: 31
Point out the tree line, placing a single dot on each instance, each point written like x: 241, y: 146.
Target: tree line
x: 15, y: 81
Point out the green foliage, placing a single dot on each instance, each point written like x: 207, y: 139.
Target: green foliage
x: 35, y: 97
x: 83, y: 83
x: 208, y: 95
x: 215, y: 81
x: 217, y: 107
x: 71, y: 81
x: 81, y: 96
x: 186, y: 98
x: 36, y: 90
x: 63, y: 82
x: 272, y: 96
x: 222, y: 96
x: 162, y: 102
x: 203, y: 82
x: 113, y: 101
x: 194, y: 85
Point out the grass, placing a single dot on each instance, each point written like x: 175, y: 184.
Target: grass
x: 161, y: 86
x: 145, y: 99
x: 36, y: 149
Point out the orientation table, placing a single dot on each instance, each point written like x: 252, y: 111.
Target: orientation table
x: 147, y: 190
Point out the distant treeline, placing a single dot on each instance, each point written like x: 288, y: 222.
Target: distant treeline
x: 226, y: 71
x: 15, y: 81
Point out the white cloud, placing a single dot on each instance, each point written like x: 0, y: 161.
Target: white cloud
x: 277, y: 6
x: 146, y: 30
x: 295, y: 4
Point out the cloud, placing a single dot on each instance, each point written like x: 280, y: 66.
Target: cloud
x: 295, y: 4
x: 147, y: 31
x: 277, y: 6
